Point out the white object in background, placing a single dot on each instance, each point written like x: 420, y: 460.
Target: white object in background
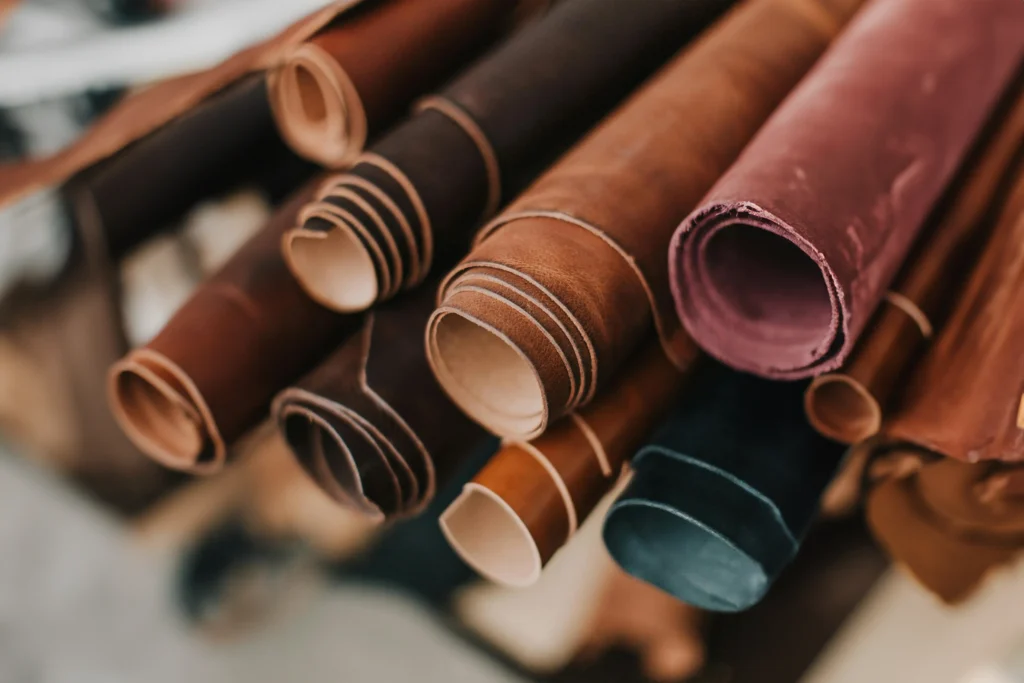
x: 902, y: 633
x: 35, y: 239
x: 190, y: 40
x: 156, y: 279
x: 217, y: 229
x: 36, y: 25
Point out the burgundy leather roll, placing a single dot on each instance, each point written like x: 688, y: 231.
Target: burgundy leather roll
x: 211, y: 373
x: 351, y: 81
x: 780, y: 268
x: 848, y: 405
x: 370, y: 424
x: 530, y: 499
x: 413, y: 200
x: 966, y: 399
x: 949, y: 523
x: 562, y: 287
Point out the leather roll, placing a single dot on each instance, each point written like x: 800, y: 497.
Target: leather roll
x: 949, y: 523
x: 342, y: 86
x: 848, y: 405
x: 412, y: 201
x: 530, y: 498
x: 966, y: 398
x: 370, y: 424
x: 722, y: 496
x: 211, y: 373
x: 562, y: 286
x: 780, y: 268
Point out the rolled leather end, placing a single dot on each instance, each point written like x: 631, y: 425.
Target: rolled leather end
x: 163, y: 413
x: 333, y: 266
x: 317, y: 108
x: 842, y: 408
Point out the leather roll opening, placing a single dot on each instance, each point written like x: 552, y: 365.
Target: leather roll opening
x: 334, y: 267
x: 310, y: 95
x: 489, y: 536
x: 840, y: 408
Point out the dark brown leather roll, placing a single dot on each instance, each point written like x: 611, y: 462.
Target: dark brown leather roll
x: 349, y: 82
x: 966, y: 398
x: 211, y: 373
x: 412, y: 201
x: 780, y: 268
x: 564, y: 284
x: 948, y: 523
x: 530, y: 498
x: 370, y: 424
x: 848, y: 405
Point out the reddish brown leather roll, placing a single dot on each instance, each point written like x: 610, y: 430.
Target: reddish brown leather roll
x: 530, y: 498
x: 351, y: 81
x: 949, y: 523
x: 848, y: 405
x: 213, y: 370
x: 780, y: 268
x: 412, y: 201
x: 370, y: 424
x: 965, y: 399
x: 562, y: 286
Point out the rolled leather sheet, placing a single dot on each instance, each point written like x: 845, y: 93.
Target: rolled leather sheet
x: 412, y: 201
x: 780, y: 268
x: 530, y: 498
x: 211, y: 373
x: 562, y: 286
x: 351, y: 81
x: 964, y: 400
x: 370, y: 424
x: 848, y: 405
x: 722, y: 496
x: 948, y: 523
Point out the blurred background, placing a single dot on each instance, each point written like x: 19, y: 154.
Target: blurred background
x: 113, y: 569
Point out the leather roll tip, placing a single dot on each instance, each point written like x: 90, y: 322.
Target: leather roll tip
x: 843, y: 409
x: 490, y: 537
x: 334, y: 268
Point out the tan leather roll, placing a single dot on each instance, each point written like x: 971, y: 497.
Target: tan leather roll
x: 342, y: 86
x: 531, y: 497
x: 849, y: 405
x: 592, y: 233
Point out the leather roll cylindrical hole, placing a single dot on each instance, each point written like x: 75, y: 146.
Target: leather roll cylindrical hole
x: 160, y: 425
x: 489, y: 536
x: 334, y: 268
x: 490, y: 379
x: 310, y: 94
x: 841, y: 408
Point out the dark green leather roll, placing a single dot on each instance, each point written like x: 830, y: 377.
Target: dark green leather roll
x: 723, y: 495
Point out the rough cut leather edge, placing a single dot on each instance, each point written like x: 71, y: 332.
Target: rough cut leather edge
x: 531, y: 497
x: 780, y: 268
x: 722, y: 496
x: 964, y: 397
x: 155, y: 106
x: 372, y: 410
x: 471, y: 146
x: 211, y: 373
x: 545, y: 333
x: 335, y: 90
x: 848, y: 405
x: 949, y: 523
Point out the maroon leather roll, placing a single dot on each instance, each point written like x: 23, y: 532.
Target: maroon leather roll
x: 413, y: 200
x: 211, y: 373
x: 370, y: 424
x: 780, y: 268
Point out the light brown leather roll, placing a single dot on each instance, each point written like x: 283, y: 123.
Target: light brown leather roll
x: 531, y: 497
x: 948, y: 523
x: 848, y: 405
x: 964, y: 400
x: 582, y: 252
x: 352, y: 80
x: 211, y: 373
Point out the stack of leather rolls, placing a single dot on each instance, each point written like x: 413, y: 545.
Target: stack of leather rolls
x: 711, y: 247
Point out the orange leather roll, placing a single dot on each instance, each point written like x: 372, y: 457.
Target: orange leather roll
x: 211, y: 373
x: 531, y: 497
x: 352, y: 80
x: 586, y: 244
x: 849, y: 405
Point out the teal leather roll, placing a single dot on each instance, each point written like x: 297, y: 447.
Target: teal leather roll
x: 722, y: 496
